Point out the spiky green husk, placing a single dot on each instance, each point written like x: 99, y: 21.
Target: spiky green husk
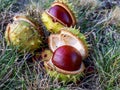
x: 23, y: 35
x: 65, y: 78
x: 77, y: 33
x: 51, y: 26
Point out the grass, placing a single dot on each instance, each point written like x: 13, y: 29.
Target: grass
x: 6, y: 4
x: 96, y: 21
x: 107, y: 60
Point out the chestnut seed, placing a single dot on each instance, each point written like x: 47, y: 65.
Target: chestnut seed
x: 67, y: 58
x: 61, y: 14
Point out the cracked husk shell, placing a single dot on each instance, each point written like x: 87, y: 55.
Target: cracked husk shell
x: 69, y: 36
x: 23, y: 34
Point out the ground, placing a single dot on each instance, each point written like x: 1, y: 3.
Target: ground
x: 98, y: 20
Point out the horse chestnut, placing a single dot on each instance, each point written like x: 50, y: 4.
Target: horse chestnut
x: 67, y: 58
x: 61, y: 14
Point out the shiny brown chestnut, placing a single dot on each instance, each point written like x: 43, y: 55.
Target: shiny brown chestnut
x: 62, y: 14
x: 67, y: 58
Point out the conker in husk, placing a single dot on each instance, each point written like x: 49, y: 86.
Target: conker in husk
x: 24, y: 33
x: 69, y: 48
x: 59, y: 15
x: 67, y: 58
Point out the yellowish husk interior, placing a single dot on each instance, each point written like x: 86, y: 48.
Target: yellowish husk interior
x: 51, y: 26
x: 23, y: 35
